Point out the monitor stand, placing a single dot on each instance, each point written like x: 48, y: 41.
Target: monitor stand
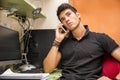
x: 26, y: 66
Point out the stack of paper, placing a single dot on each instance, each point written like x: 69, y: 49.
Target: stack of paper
x: 8, y: 74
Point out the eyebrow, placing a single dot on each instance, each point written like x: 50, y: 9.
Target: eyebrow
x: 65, y: 14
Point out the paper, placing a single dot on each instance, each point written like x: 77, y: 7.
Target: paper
x: 8, y: 74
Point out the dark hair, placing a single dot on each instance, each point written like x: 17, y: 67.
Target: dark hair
x: 64, y: 6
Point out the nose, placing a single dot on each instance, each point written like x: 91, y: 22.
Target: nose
x: 66, y: 19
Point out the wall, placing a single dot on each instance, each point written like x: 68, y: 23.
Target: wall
x: 100, y: 15
x: 48, y: 8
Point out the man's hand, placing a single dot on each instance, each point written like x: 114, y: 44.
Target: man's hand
x: 104, y: 78
x: 118, y: 76
x: 59, y: 35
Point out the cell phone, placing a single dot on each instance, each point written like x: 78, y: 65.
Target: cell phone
x: 63, y: 29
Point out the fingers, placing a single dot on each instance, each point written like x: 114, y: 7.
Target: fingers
x: 62, y: 29
x: 59, y: 34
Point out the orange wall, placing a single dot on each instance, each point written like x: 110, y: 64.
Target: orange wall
x: 100, y: 15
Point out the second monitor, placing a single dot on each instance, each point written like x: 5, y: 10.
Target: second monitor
x: 40, y: 42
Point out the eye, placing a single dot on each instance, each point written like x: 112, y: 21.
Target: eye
x: 68, y: 14
x: 62, y: 19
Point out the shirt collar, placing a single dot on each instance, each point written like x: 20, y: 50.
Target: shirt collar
x: 86, y: 33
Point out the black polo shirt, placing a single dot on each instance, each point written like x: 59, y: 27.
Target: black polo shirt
x: 82, y: 59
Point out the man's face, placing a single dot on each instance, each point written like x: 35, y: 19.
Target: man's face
x: 69, y: 19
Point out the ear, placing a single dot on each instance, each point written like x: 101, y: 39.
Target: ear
x: 78, y: 14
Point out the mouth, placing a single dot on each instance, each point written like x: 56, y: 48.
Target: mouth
x: 70, y: 24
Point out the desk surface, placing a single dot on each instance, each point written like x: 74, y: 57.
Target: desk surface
x: 53, y: 76
x: 8, y: 74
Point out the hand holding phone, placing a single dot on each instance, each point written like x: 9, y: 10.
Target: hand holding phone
x: 61, y: 32
x: 63, y: 29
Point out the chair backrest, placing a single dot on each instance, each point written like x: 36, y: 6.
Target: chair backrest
x: 110, y: 67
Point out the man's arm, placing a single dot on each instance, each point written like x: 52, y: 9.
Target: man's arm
x: 54, y: 56
x: 104, y: 78
x: 116, y: 54
x: 52, y: 60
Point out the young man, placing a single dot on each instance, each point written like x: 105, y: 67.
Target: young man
x: 79, y: 50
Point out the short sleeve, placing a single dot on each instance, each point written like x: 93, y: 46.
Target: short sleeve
x: 107, y: 43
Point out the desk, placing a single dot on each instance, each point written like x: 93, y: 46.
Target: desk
x: 53, y: 76
x: 8, y: 74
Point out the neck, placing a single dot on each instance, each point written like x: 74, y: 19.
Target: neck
x: 79, y: 32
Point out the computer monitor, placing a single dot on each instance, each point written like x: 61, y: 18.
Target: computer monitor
x: 10, y: 52
x: 39, y: 45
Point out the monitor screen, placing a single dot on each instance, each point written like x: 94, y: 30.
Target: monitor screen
x: 10, y: 52
x: 39, y: 45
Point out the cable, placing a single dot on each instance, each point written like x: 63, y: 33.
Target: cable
x: 25, y: 24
